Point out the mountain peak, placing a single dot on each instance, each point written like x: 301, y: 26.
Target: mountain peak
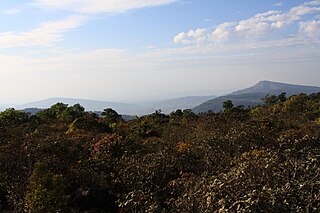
x: 275, y: 88
x: 265, y: 82
x: 267, y: 85
x: 252, y: 96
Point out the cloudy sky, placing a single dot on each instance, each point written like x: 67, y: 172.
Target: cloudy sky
x: 134, y: 50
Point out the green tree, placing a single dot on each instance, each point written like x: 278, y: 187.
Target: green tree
x: 88, y: 122
x: 46, y: 192
x: 59, y: 108
x: 227, y: 105
x: 270, y: 99
x: 71, y: 113
x: 14, y: 116
x: 62, y: 111
x: 282, y: 97
x: 53, y: 112
x: 111, y: 115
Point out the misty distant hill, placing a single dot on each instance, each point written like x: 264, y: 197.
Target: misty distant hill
x: 166, y: 106
x: 247, y: 97
x: 252, y: 96
x: 171, y: 105
x: 89, y: 105
x: 32, y: 111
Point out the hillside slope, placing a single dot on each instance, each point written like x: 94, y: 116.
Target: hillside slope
x: 252, y: 96
x: 182, y: 103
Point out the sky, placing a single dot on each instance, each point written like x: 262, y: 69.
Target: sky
x: 140, y: 50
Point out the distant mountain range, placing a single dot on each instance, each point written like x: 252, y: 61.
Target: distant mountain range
x: 166, y: 106
x: 247, y: 97
x: 89, y: 105
x: 252, y: 96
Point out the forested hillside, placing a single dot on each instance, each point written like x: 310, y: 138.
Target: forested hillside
x: 252, y: 96
x: 262, y: 159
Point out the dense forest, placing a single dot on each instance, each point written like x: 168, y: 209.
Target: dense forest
x: 261, y: 159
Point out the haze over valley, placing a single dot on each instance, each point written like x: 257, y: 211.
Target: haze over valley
x: 249, y: 97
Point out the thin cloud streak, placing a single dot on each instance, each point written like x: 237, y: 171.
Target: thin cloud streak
x: 100, y: 6
x: 47, y: 34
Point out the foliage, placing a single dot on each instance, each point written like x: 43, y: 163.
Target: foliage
x: 12, y: 116
x: 62, y: 112
x: 63, y: 159
x: 88, y: 122
x: 111, y: 115
x: 273, y: 99
x: 227, y: 105
x: 46, y: 192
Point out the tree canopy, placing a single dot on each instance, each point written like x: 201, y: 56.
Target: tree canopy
x: 262, y: 159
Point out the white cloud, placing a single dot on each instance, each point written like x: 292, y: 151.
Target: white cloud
x: 252, y: 27
x: 49, y: 33
x: 180, y: 38
x: 100, y: 6
x: 193, y: 36
x: 310, y: 28
x: 46, y: 34
x: 313, y: 3
x: 303, y: 10
x: 222, y: 32
x: 258, y: 27
x: 269, y: 13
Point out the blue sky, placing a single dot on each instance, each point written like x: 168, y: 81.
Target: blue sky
x: 137, y: 50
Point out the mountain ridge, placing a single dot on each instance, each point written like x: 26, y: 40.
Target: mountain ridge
x: 166, y: 106
x: 274, y: 88
x: 252, y: 96
x: 89, y: 105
